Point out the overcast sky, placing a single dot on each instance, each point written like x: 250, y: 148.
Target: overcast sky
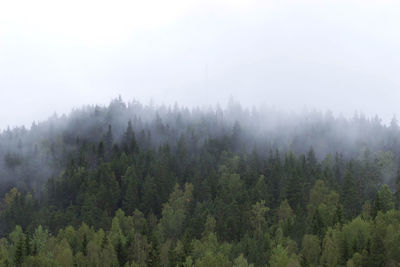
x: 337, y: 55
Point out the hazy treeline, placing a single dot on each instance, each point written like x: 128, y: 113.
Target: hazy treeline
x: 30, y: 157
x: 134, y: 185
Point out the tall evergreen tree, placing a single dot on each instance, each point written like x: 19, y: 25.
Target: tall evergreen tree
x: 349, y: 196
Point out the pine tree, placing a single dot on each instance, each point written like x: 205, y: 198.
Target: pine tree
x: 150, y: 198
x: 295, y: 194
x: 104, y: 241
x: 350, y: 198
x: 154, y: 255
x: 131, y: 198
x: 84, y: 245
x: 121, y: 253
x: 28, y: 245
x: 19, y: 252
x: 397, y: 192
x: 317, y: 224
x: 129, y: 143
x: 338, y: 217
x: 100, y: 151
x: 383, y: 200
x: 378, y: 251
x: 108, y: 138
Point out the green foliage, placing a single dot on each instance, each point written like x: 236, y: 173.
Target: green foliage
x: 174, y: 213
x: 286, y: 217
x: 241, y: 262
x: 281, y: 258
x: 383, y: 200
x: 257, y: 219
x: 145, y: 193
x: 130, y: 187
x: 349, y: 196
x: 311, y: 249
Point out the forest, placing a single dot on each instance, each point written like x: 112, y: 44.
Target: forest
x: 129, y: 184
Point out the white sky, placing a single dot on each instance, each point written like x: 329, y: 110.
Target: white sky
x: 342, y: 55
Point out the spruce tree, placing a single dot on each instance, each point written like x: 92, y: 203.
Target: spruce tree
x: 350, y: 197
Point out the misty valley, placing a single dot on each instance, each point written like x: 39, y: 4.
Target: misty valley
x: 129, y: 184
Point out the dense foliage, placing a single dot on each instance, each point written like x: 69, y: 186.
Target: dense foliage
x: 133, y: 185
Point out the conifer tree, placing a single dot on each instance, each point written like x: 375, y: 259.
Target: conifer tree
x: 349, y: 196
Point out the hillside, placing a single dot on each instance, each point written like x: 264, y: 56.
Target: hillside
x: 144, y: 185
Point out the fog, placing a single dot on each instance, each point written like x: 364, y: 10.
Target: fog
x: 328, y: 55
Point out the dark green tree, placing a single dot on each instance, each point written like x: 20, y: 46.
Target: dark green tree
x: 350, y: 198
x: 131, y: 197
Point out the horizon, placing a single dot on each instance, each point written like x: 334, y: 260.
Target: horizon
x: 262, y: 109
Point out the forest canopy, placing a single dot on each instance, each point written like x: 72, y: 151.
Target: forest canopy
x: 143, y: 185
